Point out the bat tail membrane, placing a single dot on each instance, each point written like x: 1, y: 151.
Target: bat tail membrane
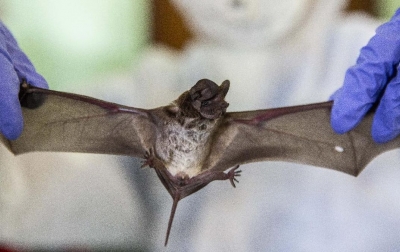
x: 171, y: 217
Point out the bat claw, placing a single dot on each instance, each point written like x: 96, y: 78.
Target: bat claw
x: 149, y: 159
x: 232, y: 174
x: 144, y: 164
x: 149, y: 153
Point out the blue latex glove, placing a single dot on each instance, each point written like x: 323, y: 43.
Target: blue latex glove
x: 375, y: 78
x: 14, y: 67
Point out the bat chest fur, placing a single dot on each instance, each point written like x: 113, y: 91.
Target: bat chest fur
x: 183, y: 149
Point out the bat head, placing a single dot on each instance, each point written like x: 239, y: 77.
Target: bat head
x: 208, y: 99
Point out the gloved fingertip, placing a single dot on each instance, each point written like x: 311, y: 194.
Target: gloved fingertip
x: 338, y: 127
x: 40, y: 84
x: 343, y: 121
x: 348, y: 109
x: 336, y: 94
x: 382, y: 136
x: 384, y: 128
x: 11, y: 120
x: 386, y: 122
x: 35, y: 79
x: 12, y: 130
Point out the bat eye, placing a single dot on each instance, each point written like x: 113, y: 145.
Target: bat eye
x: 205, y: 103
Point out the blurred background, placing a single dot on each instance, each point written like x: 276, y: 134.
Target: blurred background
x: 73, y: 41
x: 93, y: 200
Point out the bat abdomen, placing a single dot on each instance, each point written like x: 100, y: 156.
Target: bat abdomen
x: 183, y: 149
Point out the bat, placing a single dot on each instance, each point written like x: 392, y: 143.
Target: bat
x: 192, y: 141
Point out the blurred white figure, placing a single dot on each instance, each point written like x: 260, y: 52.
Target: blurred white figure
x: 273, y: 48
x: 274, y: 53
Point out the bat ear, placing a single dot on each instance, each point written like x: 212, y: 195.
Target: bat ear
x: 203, y: 90
x: 224, y: 88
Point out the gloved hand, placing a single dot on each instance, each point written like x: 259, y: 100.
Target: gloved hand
x: 14, y: 67
x: 375, y: 78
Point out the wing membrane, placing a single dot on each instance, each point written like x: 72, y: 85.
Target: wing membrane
x: 300, y: 134
x: 57, y: 121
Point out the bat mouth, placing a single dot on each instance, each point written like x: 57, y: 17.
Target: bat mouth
x: 208, y: 98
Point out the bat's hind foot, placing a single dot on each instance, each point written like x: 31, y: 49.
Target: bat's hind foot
x: 148, y: 159
x: 232, y: 174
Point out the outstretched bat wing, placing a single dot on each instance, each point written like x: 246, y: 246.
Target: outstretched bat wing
x: 57, y: 121
x: 300, y: 134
